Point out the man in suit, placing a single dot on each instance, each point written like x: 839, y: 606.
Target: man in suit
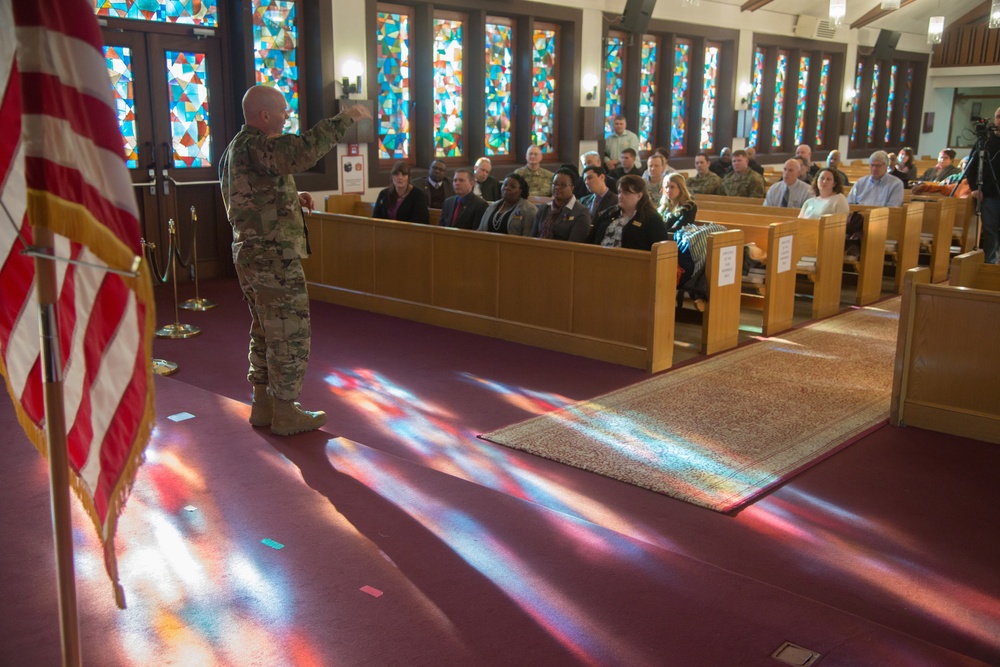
x: 601, y: 196
x: 790, y: 191
x: 465, y: 209
x: 486, y: 186
x: 435, y: 185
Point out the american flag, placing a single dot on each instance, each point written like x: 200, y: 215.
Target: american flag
x: 62, y: 167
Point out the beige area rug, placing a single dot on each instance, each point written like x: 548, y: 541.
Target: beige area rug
x: 721, y: 432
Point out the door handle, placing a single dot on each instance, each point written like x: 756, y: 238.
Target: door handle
x: 166, y: 166
x: 150, y: 167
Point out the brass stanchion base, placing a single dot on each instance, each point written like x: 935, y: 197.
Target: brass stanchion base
x: 199, y: 304
x: 178, y: 330
x: 164, y: 367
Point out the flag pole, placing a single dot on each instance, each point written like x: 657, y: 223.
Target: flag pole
x: 55, y: 428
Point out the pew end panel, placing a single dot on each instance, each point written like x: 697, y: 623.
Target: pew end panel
x: 829, y: 271
x: 724, y: 272
x: 341, y: 204
x: 779, y: 307
x: 871, y: 263
x: 939, y: 383
x: 939, y: 221
x: 970, y: 270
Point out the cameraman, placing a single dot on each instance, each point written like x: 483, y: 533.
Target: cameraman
x: 990, y: 194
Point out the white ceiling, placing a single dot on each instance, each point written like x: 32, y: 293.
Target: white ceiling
x: 910, y: 19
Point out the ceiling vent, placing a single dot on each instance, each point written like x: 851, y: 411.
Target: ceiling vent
x: 812, y: 27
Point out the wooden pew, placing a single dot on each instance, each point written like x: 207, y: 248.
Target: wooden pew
x: 941, y: 383
x: 903, y: 237
x: 821, y: 242
x: 352, y: 205
x: 970, y: 270
x: 937, y: 230
x: 720, y: 327
x: 775, y: 297
x: 611, y: 304
x: 869, y: 265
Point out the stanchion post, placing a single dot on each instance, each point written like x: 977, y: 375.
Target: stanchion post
x: 197, y: 303
x: 175, y: 330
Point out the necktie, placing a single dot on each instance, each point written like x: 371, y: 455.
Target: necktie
x: 458, y: 209
x: 784, y: 198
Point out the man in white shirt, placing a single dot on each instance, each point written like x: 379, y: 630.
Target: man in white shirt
x: 618, y: 141
x: 880, y: 188
x: 790, y: 191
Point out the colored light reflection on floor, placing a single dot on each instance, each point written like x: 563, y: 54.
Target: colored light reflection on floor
x: 823, y: 534
x: 590, y: 639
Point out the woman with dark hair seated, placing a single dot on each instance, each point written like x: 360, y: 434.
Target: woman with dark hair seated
x: 905, y: 168
x: 633, y: 223
x: 511, y: 214
x: 563, y: 218
x: 401, y: 201
x: 829, y: 196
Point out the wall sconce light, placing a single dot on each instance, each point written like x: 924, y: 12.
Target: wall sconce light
x: 838, y: 10
x: 995, y: 14
x: 590, y: 84
x: 849, y: 96
x: 745, y: 89
x: 890, y: 4
x: 352, y: 70
x: 935, y: 28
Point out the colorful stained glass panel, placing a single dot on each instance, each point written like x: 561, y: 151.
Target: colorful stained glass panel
x: 890, y: 102
x: 614, y: 83
x: 119, y: 60
x: 780, y: 77
x: 824, y: 91
x: 906, y: 103
x: 447, y: 88
x: 187, y: 79
x: 543, y: 94
x: 393, y: 62
x: 678, y: 107
x: 194, y: 12
x: 499, y: 87
x: 874, y: 103
x: 275, y: 37
x: 801, y: 100
x: 755, y: 96
x: 857, y: 107
x: 647, y: 93
x: 708, y: 97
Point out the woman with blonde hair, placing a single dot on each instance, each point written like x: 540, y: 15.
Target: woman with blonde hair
x: 676, y: 207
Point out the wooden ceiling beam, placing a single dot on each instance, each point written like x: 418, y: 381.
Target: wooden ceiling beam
x: 875, y: 14
x: 977, y: 15
x: 754, y: 5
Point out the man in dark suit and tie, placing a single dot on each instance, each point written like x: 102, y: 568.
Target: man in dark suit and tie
x: 465, y: 210
x: 601, y: 196
x: 486, y: 186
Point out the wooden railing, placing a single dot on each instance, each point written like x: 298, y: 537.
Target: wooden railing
x: 968, y: 46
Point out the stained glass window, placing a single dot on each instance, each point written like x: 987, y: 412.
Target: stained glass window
x: 857, y: 107
x: 874, y: 102
x: 824, y: 91
x: 543, y: 88
x: 119, y: 60
x: 275, y: 37
x: 801, y: 100
x: 393, y: 63
x: 889, y: 102
x: 195, y: 12
x: 708, y: 97
x: 906, y: 103
x: 678, y: 108
x: 614, y: 82
x: 647, y: 92
x: 187, y: 80
x: 781, y: 74
x: 447, y: 87
x: 499, y: 86
x: 755, y: 95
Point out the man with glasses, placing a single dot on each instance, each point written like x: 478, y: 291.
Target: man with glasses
x: 880, y: 188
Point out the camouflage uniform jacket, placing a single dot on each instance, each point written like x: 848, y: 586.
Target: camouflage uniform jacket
x: 750, y: 184
x: 259, y: 190
x: 539, y: 181
x: 709, y: 184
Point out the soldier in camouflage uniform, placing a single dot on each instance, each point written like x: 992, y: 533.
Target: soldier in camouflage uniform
x: 269, y: 242
x: 705, y: 181
x: 539, y: 180
x: 743, y: 181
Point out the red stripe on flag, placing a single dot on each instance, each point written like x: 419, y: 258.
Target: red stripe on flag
x: 10, y: 121
x: 64, y: 16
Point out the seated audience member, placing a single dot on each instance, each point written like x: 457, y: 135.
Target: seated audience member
x: 465, y: 210
x: 752, y: 160
x: 564, y: 218
x: 616, y: 142
x: 485, y: 186
x: 790, y: 191
x: 724, y: 164
x: 954, y: 183
x: 704, y: 181
x: 632, y: 222
x: 742, y: 181
x: 600, y: 195
x: 944, y: 168
x: 676, y: 207
x: 880, y: 188
x: 512, y: 214
x: 833, y: 162
x: 435, y: 185
x: 828, y: 196
x: 667, y: 169
x: 628, y: 165
x: 805, y: 152
x: 539, y: 180
x: 692, y: 252
x: 401, y: 200
x: 903, y: 167
x: 657, y: 166
x: 590, y: 158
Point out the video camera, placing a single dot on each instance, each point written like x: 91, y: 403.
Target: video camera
x: 983, y: 127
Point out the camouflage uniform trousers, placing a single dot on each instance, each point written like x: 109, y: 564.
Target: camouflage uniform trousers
x: 280, y: 336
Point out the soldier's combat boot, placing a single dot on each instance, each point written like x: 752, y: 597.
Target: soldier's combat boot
x: 289, y: 418
x: 262, y: 408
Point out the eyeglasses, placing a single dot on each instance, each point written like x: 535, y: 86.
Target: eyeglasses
x: 562, y: 185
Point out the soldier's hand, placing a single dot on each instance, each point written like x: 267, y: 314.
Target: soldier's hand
x: 359, y: 111
x: 306, y: 201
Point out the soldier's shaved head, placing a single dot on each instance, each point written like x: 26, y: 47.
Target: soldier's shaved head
x: 262, y: 106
